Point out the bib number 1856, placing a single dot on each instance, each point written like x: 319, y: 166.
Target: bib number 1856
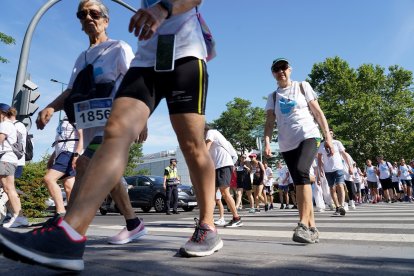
x: 92, y: 113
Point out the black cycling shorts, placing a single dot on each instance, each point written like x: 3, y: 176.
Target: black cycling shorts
x: 185, y: 88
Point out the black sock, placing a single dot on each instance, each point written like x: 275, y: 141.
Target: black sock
x: 131, y: 224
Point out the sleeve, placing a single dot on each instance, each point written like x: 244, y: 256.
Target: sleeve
x: 76, y: 69
x: 126, y: 56
x: 310, y: 94
x: 340, y: 145
x: 166, y: 172
x: 210, y: 136
x: 270, y: 105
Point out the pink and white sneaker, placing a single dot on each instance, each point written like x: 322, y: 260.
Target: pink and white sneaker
x: 126, y: 236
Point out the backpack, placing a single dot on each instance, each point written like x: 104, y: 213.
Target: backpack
x: 17, y: 147
x: 28, y: 150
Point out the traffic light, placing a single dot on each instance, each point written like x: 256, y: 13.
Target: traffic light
x: 27, y: 97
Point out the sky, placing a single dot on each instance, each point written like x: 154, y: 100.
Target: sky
x: 248, y: 34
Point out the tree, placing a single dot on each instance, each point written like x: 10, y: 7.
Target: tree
x: 238, y: 123
x: 370, y: 111
x: 6, y: 40
x: 134, y: 157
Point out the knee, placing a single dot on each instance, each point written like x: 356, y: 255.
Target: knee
x: 114, y: 129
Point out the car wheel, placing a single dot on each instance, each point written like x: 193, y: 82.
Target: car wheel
x: 146, y: 209
x: 103, y: 211
x: 188, y: 208
x: 159, y: 204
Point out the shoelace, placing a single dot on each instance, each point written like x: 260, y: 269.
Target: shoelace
x: 49, y: 225
x: 199, y: 233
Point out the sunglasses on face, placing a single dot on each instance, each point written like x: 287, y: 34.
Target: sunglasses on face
x: 93, y: 13
x: 282, y: 67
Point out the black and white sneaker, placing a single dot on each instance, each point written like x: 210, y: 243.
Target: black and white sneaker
x: 342, y: 211
x: 48, y: 246
x: 235, y: 222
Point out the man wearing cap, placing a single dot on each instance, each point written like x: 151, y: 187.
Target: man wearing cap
x: 171, y: 181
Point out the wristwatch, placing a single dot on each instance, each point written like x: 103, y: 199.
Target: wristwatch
x: 76, y: 154
x: 166, y: 5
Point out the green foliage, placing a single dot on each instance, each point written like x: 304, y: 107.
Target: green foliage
x: 34, y: 190
x: 6, y: 40
x: 134, y: 158
x: 370, y: 111
x: 238, y: 123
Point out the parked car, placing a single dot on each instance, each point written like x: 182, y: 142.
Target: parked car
x: 147, y: 191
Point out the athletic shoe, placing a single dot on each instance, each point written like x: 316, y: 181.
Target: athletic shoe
x: 352, y: 205
x: 204, y: 242
x: 48, y: 246
x: 252, y: 210
x: 15, y: 222
x: 302, y: 234
x: 294, y: 207
x: 287, y: 207
x: 220, y: 222
x: 271, y: 207
x: 314, y: 234
x: 126, y: 236
x: 346, y: 206
x: 336, y: 214
x: 342, y: 211
x: 234, y: 223
x: 266, y: 207
x: 319, y: 210
x: 176, y: 212
x: 257, y: 210
x: 240, y: 208
x: 282, y: 206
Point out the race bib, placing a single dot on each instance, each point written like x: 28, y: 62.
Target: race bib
x: 92, y: 113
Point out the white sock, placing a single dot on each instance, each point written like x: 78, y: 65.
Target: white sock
x: 70, y: 231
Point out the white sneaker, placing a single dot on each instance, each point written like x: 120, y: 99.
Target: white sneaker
x: 346, y: 206
x: 16, y: 222
x: 319, y: 210
x: 352, y: 204
x: 220, y: 222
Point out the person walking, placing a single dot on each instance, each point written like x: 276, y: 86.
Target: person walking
x: 294, y: 107
x: 139, y: 94
x: 258, y: 172
x: 268, y: 185
x: 283, y: 184
x: 372, y: 180
x: 221, y: 152
x: 404, y: 172
x: 68, y: 146
x: 171, y: 182
x: 244, y: 183
x: 8, y: 165
x: 332, y: 167
x: 385, y: 174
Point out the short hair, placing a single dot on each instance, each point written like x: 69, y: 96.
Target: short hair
x: 99, y: 3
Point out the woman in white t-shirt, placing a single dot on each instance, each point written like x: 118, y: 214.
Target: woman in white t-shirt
x: 8, y: 165
x: 295, y: 108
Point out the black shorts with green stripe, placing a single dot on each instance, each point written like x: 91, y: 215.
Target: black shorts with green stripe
x: 185, y: 88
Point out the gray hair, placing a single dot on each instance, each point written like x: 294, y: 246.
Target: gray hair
x: 99, y: 3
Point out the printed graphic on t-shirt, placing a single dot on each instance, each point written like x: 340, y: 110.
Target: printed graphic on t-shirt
x: 286, y: 105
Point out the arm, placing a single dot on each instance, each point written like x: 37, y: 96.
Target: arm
x: 79, y: 147
x: 46, y: 114
x: 208, y: 144
x: 345, y: 156
x: 320, y: 165
x: 3, y: 137
x: 145, y: 22
x: 268, y: 131
x: 323, y: 124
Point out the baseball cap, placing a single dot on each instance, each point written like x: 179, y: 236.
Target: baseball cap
x: 4, y: 107
x: 252, y: 155
x: 277, y: 61
x: 173, y: 160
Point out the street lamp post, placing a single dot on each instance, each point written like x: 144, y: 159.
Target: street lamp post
x: 62, y: 83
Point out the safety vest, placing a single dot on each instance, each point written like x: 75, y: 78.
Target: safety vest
x: 172, y: 176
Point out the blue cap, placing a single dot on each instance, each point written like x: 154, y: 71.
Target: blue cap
x: 4, y: 107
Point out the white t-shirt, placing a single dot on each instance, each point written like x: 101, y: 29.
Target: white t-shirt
x: 189, y: 40
x: 371, y: 175
x: 8, y: 128
x: 269, y: 177
x: 295, y: 122
x: 357, y: 176
x: 332, y: 163
x: 65, y: 131
x: 384, y: 170
x: 218, y: 152
x: 116, y: 56
x: 394, y: 175
x: 347, y: 175
x: 405, y: 174
x: 23, y: 131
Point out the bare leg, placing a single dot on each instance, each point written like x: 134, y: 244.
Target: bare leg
x: 50, y: 179
x: 305, y: 205
x: 128, y: 118
x: 250, y: 197
x: 334, y: 195
x: 239, y: 194
x: 10, y: 189
x: 225, y: 191
x: 68, y: 186
x: 340, y: 189
x: 190, y: 134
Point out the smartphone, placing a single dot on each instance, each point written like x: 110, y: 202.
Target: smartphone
x: 164, y: 60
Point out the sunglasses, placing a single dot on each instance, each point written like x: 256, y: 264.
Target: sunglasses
x: 282, y: 67
x: 93, y: 13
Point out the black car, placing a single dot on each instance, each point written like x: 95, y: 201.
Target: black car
x: 147, y: 191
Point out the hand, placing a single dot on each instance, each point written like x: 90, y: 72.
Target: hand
x: 329, y: 147
x: 145, y: 22
x: 165, y: 187
x: 142, y: 136
x: 268, y: 151
x: 74, y: 160
x: 44, y: 117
